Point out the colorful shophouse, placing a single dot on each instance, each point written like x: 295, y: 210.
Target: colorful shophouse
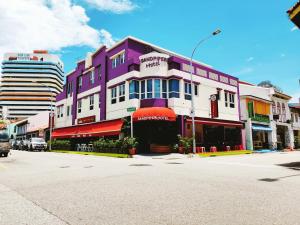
x: 102, y: 90
x: 256, y: 103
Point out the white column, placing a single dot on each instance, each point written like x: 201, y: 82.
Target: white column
x: 249, y: 138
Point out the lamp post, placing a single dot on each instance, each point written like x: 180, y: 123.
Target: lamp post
x: 216, y: 32
x: 51, y: 113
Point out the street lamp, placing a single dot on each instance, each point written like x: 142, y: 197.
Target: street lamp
x: 51, y: 112
x: 216, y: 32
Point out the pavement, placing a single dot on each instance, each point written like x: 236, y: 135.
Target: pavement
x: 54, y: 188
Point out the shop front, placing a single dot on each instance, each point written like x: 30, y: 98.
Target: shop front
x: 222, y: 134
x: 261, y: 137
x: 87, y: 133
x: 156, y: 129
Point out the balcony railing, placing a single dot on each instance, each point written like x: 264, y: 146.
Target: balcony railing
x: 261, y: 118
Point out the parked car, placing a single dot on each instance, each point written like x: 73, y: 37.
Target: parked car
x: 36, y: 144
x: 5, y: 146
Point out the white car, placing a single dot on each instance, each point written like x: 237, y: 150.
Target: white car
x: 36, y: 144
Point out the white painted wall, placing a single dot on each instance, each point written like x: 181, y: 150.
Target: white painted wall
x: 64, y: 121
x: 179, y: 105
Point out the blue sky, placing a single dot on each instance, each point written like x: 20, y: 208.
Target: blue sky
x: 257, y: 42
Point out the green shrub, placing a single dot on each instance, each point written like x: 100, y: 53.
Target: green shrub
x: 60, y: 144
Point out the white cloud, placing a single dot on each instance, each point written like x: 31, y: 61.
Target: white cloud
x: 115, y: 6
x: 45, y: 24
x: 106, y: 38
x: 250, y: 59
x: 294, y: 28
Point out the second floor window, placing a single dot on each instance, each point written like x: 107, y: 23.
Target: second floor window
x: 92, y: 77
x: 113, y: 95
x: 173, y: 88
x: 133, y: 89
x: 231, y: 100
x: 187, y: 91
x: 91, y: 102
x: 68, y: 110
x: 69, y: 88
x: 122, y: 93
x: 79, y: 105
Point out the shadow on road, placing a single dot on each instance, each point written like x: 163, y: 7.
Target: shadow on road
x: 278, y: 178
x: 291, y: 165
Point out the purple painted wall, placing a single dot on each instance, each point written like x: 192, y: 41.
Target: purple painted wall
x: 133, y: 49
x: 154, y: 102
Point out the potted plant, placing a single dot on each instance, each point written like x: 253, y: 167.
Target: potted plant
x: 186, y: 144
x: 132, y: 143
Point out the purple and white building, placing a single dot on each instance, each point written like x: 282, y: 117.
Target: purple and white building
x: 155, y: 81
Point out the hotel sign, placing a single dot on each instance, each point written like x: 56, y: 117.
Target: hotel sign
x: 89, y: 119
x: 143, y: 118
x: 154, y: 64
x: 214, y: 109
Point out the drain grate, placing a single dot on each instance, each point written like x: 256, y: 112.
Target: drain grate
x: 172, y: 158
x: 175, y: 163
x: 140, y: 164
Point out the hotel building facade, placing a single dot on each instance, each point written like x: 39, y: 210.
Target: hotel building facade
x: 30, y: 83
x: 102, y: 90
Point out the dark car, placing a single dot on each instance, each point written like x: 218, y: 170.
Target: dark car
x: 4, y: 144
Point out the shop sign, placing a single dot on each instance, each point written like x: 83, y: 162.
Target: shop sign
x: 23, y: 56
x: 88, y: 119
x: 154, y: 64
x: 153, y: 118
x: 214, y: 106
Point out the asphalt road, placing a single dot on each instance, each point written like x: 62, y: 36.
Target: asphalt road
x: 53, y: 188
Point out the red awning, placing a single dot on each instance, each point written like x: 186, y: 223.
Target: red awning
x: 154, y: 113
x: 107, y: 128
x: 217, y: 122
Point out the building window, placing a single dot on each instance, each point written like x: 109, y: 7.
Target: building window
x: 91, y: 102
x: 226, y: 98
x: 273, y: 108
x: 79, y: 105
x: 68, y: 110
x: 196, y: 89
x: 187, y: 91
x: 231, y: 100
x: 278, y: 108
x: 133, y: 89
x: 143, y: 89
x: 122, y: 93
x: 80, y: 82
x: 164, y: 89
x: 157, y: 87
x: 62, y: 111
x: 118, y: 59
x: 92, y: 77
x: 173, y: 88
x: 58, y: 112
x: 69, y: 88
x: 114, y: 95
x: 149, y: 88
x: 99, y: 72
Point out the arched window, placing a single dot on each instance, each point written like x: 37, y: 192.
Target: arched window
x: 278, y: 108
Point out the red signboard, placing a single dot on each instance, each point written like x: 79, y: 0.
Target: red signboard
x: 214, y: 109
x: 89, y: 119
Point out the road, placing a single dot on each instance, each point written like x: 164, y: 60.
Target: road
x: 54, y: 188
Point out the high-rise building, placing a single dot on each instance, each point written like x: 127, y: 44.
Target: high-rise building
x: 30, y: 83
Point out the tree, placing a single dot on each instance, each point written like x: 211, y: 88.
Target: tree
x: 268, y: 84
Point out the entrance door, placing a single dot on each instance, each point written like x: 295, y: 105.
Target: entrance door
x: 162, y: 134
